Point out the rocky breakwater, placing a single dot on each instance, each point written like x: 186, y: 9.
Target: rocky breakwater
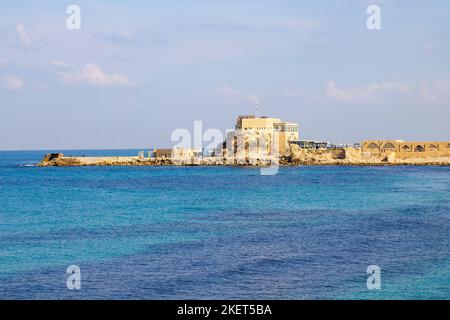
x: 59, y: 160
x: 340, y: 156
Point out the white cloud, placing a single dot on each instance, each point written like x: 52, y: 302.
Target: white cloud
x: 13, y: 83
x: 437, y: 92
x: 22, y: 36
x: 369, y: 93
x: 234, y: 95
x: 58, y: 63
x: 90, y: 74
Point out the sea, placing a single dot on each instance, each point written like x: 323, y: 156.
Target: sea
x: 307, y: 232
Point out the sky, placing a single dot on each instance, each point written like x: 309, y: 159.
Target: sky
x: 137, y: 70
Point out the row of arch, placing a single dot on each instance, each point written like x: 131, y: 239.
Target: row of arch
x: 388, y: 146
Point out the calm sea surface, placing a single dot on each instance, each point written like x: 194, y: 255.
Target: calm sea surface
x: 222, y: 232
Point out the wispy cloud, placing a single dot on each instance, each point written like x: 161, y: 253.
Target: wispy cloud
x: 234, y: 95
x: 368, y: 94
x: 12, y: 83
x: 437, y: 92
x: 90, y: 74
x: 23, y: 38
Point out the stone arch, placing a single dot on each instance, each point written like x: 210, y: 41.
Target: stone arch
x: 419, y: 148
x: 373, y: 146
x: 406, y: 148
x: 432, y: 147
x: 388, y: 146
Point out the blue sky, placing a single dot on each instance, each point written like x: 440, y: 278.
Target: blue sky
x: 137, y: 70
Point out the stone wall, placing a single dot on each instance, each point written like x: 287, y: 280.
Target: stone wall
x: 406, y: 149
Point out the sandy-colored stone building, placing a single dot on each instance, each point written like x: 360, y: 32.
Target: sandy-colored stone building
x: 180, y: 154
x: 267, y: 128
x: 405, y: 149
x: 163, y: 153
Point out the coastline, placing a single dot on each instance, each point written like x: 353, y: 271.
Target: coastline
x: 61, y: 161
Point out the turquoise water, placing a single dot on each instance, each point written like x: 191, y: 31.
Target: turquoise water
x: 222, y: 232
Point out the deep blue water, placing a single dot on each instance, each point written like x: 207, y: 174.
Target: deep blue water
x: 222, y: 232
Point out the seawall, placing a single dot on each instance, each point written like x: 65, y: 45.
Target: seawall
x: 338, y: 157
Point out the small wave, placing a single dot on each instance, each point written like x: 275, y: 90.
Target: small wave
x: 27, y: 165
